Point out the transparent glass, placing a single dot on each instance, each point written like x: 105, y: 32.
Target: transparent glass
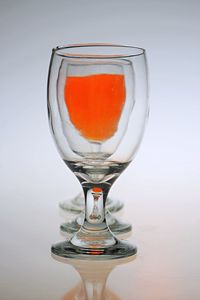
x: 76, y: 206
x: 98, y: 107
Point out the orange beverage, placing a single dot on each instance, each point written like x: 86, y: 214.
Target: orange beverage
x: 95, y: 103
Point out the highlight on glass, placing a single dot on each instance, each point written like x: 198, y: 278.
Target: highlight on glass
x: 97, y: 107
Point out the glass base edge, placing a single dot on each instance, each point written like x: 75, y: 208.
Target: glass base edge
x: 67, y: 250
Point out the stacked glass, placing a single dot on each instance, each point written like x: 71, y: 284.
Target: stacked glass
x: 98, y: 107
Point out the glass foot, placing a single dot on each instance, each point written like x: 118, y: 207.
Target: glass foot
x: 119, y: 250
x: 77, y: 205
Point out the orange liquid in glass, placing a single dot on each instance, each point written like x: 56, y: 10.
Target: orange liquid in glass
x: 95, y: 103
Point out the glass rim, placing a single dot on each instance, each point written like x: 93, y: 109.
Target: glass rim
x: 67, y: 51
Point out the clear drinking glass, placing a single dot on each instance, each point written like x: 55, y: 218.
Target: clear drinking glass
x: 98, y: 107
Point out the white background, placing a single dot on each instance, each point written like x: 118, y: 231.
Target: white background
x: 170, y: 33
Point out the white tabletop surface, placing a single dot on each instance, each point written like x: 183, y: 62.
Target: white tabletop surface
x: 166, y: 229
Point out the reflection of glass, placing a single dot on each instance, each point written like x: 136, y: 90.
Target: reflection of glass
x: 76, y: 206
x: 97, y: 103
x: 78, y: 293
x: 94, y: 275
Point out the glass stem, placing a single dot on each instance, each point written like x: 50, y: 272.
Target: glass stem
x: 95, y: 200
x: 94, y: 233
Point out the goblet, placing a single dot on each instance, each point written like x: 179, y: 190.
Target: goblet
x: 98, y: 107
